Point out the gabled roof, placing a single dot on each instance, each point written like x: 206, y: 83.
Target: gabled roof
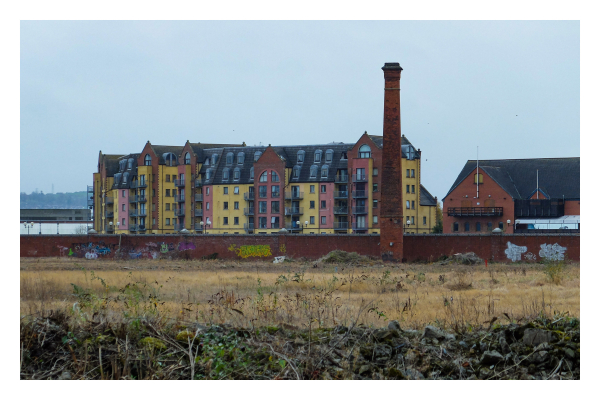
x: 160, y: 150
x: 559, y: 177
x: 426, y: 198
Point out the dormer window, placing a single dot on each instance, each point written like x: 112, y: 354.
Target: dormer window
x: 240, y: 157
x: 236, y: 174
x: 130, y: 163
x: 208, y: 174
x: 409, y: 151
x: 225, y: 174
x: 125, y: 176
x: 364, y: 151
x: 318, y: 155
x: 296, y: 172
x: 329, y: 156
x: 122, y: 165
x: 324, y: 171
x: 252, y: 173
x: 169, y: 159
x: 344, y: 155
x: 147, y: 160
x: 300, y: 156
x: 229, y: 158
x: 214, y: 159
x: 207, y: 161
x: 257, y: 155
x: 313, y: 171
x: 187, y: 159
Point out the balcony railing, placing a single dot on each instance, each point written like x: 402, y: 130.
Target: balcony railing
x: 110, y: 200
x: 133, y: 199
x: 360, y: 194
x: 110, y: 228
x: 340, y: 210
x: 138, y: 184
x: 109, y: 214
x: 340, y: 194
x: 248, y: 227
x: 293, y: 226
x: 341, y: 178
x: 178, y: 227
x: 475, y: 211
x: 133, y: 227
x: 179, y: 182
x: 198, y: 183
x: 133, y: 213
x: 198, y: 212
x: 359, y: 178
x: 359, y: 227
x: 249, y: 196
x: 294, y: 210
x: 249, y: 211
x: 198, y: 197
x: 142, y: 213
x: 294, y: 195
x: 199, y: 227
x: 141, y: 228
x: 180, y: 198
x: 180, y: 212
x: 339, y: 226
x: 141, y: 199
x: 360, y: 210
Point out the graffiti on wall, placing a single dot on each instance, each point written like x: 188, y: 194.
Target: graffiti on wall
x: 554, y: 252
x: 513, y: 252
x: 251, y: 250
x: 89, y: 250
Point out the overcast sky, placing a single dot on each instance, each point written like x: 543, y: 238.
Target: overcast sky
x: 511, y: 88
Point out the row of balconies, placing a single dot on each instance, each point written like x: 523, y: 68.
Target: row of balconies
x: 138, y: 199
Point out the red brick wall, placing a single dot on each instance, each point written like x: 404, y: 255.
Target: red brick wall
x: 572, y: 207
x: 269, y: 161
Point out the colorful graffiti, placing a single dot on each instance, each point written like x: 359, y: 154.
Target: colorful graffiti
x: 513, y: 252
x: 89, y: 250
x: 186, y: 246
x: 251, y: 250
x: 282, y: 248
x: 553, y: 252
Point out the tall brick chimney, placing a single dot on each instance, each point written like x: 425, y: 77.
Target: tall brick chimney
x: 391, y: 244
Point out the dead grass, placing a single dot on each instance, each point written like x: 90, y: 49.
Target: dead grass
x: 262, y: 293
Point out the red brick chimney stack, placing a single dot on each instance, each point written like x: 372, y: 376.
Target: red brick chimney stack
x: 391, y: 245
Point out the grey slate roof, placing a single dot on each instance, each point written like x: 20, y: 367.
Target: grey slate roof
x: 558, y: 177
x: 160, y: 150
x: 426, y: 198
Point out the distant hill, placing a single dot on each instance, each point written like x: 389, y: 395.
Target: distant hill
x: 57, y: 200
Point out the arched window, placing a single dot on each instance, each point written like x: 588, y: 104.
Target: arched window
x: 274, y: 176
x: 125, y: 176
x: 318, y: 155
x: 324, y: 171
x: 130, y: 163
x: 252, y: 173
x: 229, y: 159
x: 296, y: 172
x: 187, y: 159
x: 329, y: 156
x: 214, y: 159
x: 263, y: 177
x: 225, y: 174
x: 147, y: 160
x: 241, y: 157
x: 300, y: 156
x: 409, y: 151
x: 257, y: 155
x: 364, y: 151
x: 169, y: 159
x: 313, y: 171
x: 236, y: 174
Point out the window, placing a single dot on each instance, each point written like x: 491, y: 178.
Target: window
x: 408, y: 220
x: 274, y: 207
x: 263, y: 177
x: 274, y: 176
x: 364, y: 151
x: 168, y: 221
x: 455, y: 227
x: 213, y: 160
x: 125, y: 176
x: 236, y: 220
x: 275, y: 191
x: 412, y: 220
x: 251, y: 173
x: 480, y: 178
x: 318, y: 155
x: 361, y: 175
x: 312, y: 204
x: 323, y: 188
x: 167, y: 192
x: 374, y: 219
x: 478, y: 226
x: 123, y: 193
x: 153, y: 207
x: 174, y: 192
x: 408, y: 173
x: 323, y: 204
x: 236, y: 190
x: 173, y: 207
x: 257, y: 155
x: 225, y: 189
x: 169, y: 159
x: 424, y: 220
x: 240, y: 157
x: 374, y: 203
x: 412, y: 189
x: 300, y: 156
x: 207, y: 205
x: 147, y: 160
x: 412, y: 173
x: 501, y: 225
x: 324, y: 171
x: 489, y: 226
x: 208, y: 174
x: 122, y: 221
x: 225, y: 174
x: 262, y: 191
x: 153, y: 192
x: 467, y: 227
x: 187, y: 159
x: 225, y: 220
x: 312, y: 188
x: 312, y: 220
x: 225, y: 205
x: 375, y: 187
x: 262, y: 222
x: 329, y: 156
x: 229, y: 158
x: 408, y: 204
x: 167, y: 206
x: 275, y: 222
x: 236, y: 174
x: 207, y: 161
x: 296, y: 172
x: 375, y: 172
x: 154, y: 222
x: 236, y: 205
x: 207, y: 191
x: 262, y: 207
x: 313, y: 171
x: 407, y: 188
x: 412, y: 205
x: 323, y: 220
x: 123, y: 207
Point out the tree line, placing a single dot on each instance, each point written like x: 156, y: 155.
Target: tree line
x: 54, y: 200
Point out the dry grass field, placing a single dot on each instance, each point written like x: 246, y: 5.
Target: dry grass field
x: 259, y: 293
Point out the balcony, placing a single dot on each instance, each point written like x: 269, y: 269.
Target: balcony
x: 340, y: 194
x: 138, y: 184
x: 133, y: 199
x: 249, y: 211
x: 109, y: 200
x: 340, y: 210
x: 142, y: 213
x: 539, y: 208
x: 110, y: 228
x: 293, y: 226
x: 178, y: 227
x: 198, y: 197
x: 133, y: 227
x: 248, y: 227
x: 180, y: 212
x: 179, y: 182
x: 141, y: 199
x: 360, y: 210
x: 180, y: 198
x: 294, y: 210
x: 199, y: 227
x: 198, y: 183
x: 359, y: 227
x: 341, y: 178
x: 198, y: 212
x: 360, y: 194
x: 294, y: 195
x: 141, y: 228
x: 133, y: 213
x: 340, y: 226
x: 475, y: 211
x: 359, y: 178
x: 249, y: 196
x: 109, y: 214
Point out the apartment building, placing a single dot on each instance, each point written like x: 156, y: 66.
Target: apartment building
x: 240, y: 189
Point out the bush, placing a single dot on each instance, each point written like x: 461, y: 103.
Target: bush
x: 554, y: 270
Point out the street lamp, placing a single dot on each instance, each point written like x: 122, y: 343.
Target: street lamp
x: 207, y: 225
x: 305, y: 225
x: 202, y: 227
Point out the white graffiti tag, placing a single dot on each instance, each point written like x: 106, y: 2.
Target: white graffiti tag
x: 91, y: 255
x: 553, y: 252
x: 529, y: 256
x: 514, y: 252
